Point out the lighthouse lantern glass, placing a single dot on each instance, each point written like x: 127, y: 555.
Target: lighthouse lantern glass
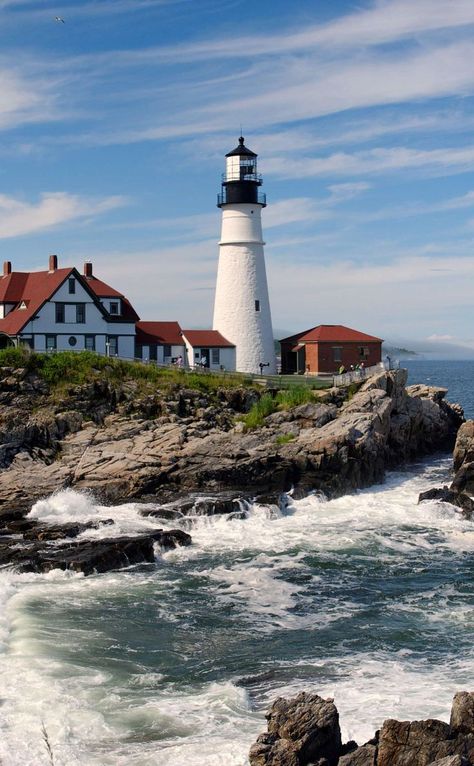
x: 241, y: 168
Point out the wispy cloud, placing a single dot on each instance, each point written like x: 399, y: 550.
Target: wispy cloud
x: 18, y: 218
x: 386, y: 21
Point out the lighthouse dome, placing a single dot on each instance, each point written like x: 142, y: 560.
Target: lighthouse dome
x: 241, y: 149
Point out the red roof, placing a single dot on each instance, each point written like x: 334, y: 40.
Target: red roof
x: 331, y: 333
x: 208, y: 338
x: 101, y: 289
x: 34, y: 288
x: 162, y: 333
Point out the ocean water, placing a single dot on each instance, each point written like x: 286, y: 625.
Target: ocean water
x: 367, y: 598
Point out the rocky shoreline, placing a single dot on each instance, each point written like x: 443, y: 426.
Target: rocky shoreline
x: 304, y: 731
x: 186, y: 451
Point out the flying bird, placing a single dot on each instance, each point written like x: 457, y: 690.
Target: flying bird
x: 59, y: 20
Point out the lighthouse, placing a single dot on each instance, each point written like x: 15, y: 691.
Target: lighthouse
x: 242, y: 307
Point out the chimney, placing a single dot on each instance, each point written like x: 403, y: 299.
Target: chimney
x: 53, y: 263
x: 88, y: 269
x: 7, y: 268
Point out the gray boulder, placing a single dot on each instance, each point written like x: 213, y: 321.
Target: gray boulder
x: 301, y: 731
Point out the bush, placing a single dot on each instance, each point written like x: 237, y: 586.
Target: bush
x: 293, y: 397
x: 284, y: 439
x: 259, y: 411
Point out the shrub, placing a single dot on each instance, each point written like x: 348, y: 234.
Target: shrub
x: 284, y: 439
x: 293, y: 397
x: 259, y: 411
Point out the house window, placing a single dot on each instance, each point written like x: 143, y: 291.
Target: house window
x: 112, y: 345
x: 72, y: 340
x: 257, y: 305
x: 72, y: 285
x: 167, y: 351
x: 89, y: 343
x: 80, y: 313
x: 364, y: 352
x: 59, y: 313
x: 337, y: 353
x: 215, y: 356
x: 51, y: 343
x: 114, y: 307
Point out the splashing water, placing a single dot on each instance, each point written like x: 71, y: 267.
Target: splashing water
x: 367, y: 598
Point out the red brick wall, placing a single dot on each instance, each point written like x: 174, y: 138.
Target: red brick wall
x: 350, y: 355
x: 320, y: 357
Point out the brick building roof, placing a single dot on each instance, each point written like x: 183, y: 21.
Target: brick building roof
x: 331, y: 333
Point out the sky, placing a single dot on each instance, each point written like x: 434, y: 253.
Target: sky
x: 114, y: 127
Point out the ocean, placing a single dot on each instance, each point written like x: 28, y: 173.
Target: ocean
x: 367, y: 598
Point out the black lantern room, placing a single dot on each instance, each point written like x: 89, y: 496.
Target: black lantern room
x: 240, y: 181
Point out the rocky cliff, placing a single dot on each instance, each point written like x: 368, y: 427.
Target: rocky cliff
x: 304, y: 731
x: 120, y: 444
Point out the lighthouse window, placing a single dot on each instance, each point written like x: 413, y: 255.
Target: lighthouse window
x: 257, y: 305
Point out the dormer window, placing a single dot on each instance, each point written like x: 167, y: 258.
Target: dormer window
x: 114, y: 307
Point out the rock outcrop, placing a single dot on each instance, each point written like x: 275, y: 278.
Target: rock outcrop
x: 459, y: 493
x: 121, y: 445
x: 31, y: 546
x: 304, y: 731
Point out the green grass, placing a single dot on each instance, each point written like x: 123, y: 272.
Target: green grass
x: 286, y: 399
x: 284, y: 439
x: 293, y: 397
x: 67, y: 368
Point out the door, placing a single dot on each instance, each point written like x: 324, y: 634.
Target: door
x: 205, y: 357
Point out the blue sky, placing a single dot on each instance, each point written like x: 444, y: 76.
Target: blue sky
x: 115, y: 124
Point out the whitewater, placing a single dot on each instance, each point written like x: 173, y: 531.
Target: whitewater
x: 367, y: 598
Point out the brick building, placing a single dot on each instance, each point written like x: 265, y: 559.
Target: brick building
x: 327, y: 347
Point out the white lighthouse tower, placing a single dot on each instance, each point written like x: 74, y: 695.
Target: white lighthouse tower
x: 242, y: 308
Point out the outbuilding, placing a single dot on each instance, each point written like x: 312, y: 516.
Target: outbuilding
x: 328, y: 347
x: 209, y: 349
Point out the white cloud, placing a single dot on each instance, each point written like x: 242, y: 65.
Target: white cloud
x: 385, y: 22
x: 18, y: 218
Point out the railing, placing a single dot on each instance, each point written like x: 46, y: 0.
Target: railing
x: 354, y: 376
x: 256, y: 177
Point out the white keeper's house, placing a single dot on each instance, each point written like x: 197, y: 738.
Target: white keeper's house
x: 63, y: 310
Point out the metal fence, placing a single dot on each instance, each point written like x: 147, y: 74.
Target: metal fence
x: 355, y: 376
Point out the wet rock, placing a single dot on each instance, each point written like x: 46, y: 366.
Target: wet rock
x: 89, y: 556
x: 301, y: 731
x: 45, y: 532
x: 362, y: 756
x: 420, y: 743
x: 446, y: 495
x: 462, y: 713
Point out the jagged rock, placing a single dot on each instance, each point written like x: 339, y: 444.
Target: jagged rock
x: 463, y: 459
x: 420, y: 743
x: 363, y: 756
x: 462, y: 713
x: 301, y: 731
x: 90, y: 556
x: 452, y: 760
x: 98, y: 438
x: 446, y: 495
